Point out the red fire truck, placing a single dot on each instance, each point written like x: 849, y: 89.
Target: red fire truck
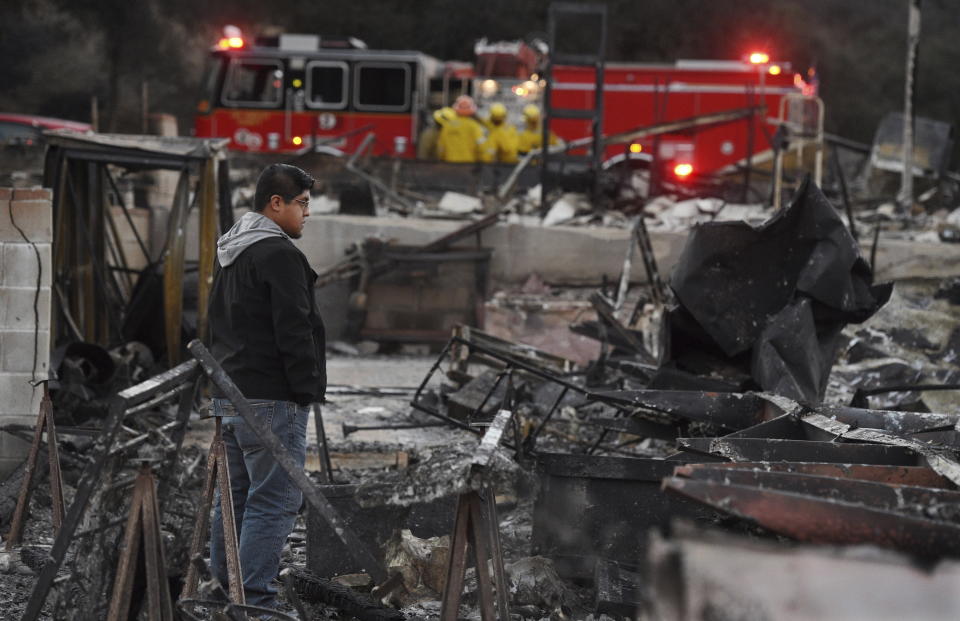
x: 285, y: 94
x: 639, y: 95
x: 295, y: 91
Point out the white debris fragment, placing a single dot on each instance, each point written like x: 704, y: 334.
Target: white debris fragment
x: 454, y: 202
x: 562, y: 211
x: 323, y: 204
x: 953, y: 218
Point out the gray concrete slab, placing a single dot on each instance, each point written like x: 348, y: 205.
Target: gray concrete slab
x: 578, y: 255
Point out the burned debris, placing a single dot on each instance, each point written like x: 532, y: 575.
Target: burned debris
x: 588, y: 381
x: 737, y: 397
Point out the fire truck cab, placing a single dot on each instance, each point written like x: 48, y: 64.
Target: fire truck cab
x: 292, y: 91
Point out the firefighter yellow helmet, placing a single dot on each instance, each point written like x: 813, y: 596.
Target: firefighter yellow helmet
x: 444, y: 115
x: 498, y: 112
x: 531, y: 113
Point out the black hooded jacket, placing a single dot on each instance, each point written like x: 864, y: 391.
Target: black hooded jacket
x: 265, y: 328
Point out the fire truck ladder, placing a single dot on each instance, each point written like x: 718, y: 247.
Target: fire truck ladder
x: 553, y: 162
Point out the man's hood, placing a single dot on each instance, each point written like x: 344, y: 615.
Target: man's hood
x: 248, y: 230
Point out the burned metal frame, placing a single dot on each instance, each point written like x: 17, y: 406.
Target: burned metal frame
x: 135, y: 395
x: 823, y: 519
x: 915, y: 476
x: 511, y: 365
x: 91, y: 270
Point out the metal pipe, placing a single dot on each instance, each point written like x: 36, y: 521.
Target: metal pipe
x: 348, y: 429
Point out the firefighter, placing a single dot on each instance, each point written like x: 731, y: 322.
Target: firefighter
x: 532, y: 135
x: 502, y: 142
x: 427, y: 145
x: 461, y: 138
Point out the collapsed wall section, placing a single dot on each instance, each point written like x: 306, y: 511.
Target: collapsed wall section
x: 26, y: 233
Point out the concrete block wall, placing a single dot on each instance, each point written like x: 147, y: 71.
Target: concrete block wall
x: 559, y: 254
x: 20, y: 321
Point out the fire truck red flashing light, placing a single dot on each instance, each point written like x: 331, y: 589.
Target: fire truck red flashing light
x: 683, y: 170
x: 297, y: 92
x: 232, y: 39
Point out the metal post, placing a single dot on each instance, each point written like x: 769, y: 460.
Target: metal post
x: 905, y: 196
x: 144, y: 108
x: 94, y: 114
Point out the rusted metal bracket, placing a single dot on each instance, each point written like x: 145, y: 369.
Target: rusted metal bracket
x: 44, y: 420
x: 218, y: 475
x: 314, y: 498
x: 476, y: 525
x: 142, y: 530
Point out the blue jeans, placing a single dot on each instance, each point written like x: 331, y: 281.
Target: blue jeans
x: 265, y: 499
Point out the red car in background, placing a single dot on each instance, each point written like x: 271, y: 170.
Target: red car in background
x: 27, y: 130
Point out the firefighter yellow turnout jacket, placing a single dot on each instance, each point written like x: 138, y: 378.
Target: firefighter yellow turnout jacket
x: 532, y: 137
x: 460, y: 140
x: 501, y: 145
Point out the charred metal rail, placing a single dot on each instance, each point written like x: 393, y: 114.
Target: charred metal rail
x: 918, y: 476
x: 270, y: 441
x: 119, y: 404
x: 772, y: 449
x: 513, y: 364
x: 823, y: 520
x: 911, y: 499
x: 348, y: 429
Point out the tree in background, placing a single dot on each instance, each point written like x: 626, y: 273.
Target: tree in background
x: 59, y: 52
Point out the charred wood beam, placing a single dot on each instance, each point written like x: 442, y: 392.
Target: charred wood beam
x: 316, y: 589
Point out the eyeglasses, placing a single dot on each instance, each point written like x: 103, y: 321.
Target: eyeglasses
x: 305, y: 203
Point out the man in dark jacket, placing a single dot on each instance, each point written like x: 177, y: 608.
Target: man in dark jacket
x: 268, y: 336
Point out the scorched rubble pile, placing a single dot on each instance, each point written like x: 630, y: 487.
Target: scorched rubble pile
x: 774, y: 396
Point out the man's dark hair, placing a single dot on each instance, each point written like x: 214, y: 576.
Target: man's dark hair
x: 283, y: 179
